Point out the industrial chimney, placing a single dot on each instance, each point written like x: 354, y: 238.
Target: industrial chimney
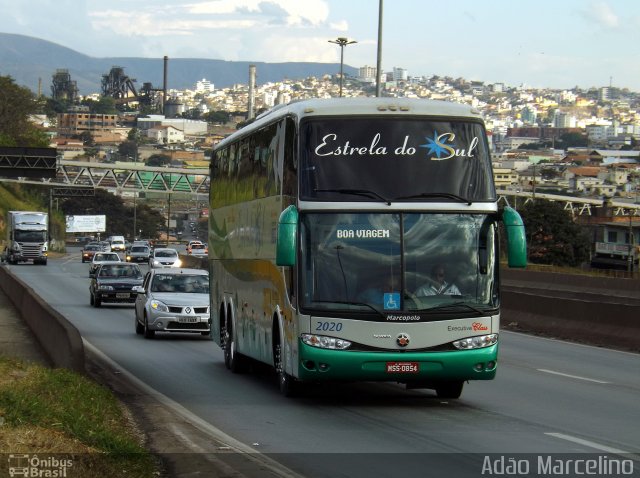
x: 251, y: 107
x: 164, y: 83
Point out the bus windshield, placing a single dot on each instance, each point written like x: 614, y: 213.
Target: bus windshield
x: 386, y: 263
x: 394, y: 159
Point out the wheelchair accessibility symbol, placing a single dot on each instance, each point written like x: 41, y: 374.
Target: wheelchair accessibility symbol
x: 391, y: 301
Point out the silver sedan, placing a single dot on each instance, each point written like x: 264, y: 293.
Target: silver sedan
x: 173, y: 300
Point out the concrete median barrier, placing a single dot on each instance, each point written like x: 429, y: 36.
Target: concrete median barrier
x: 60, y: 340
x: 597, y: 310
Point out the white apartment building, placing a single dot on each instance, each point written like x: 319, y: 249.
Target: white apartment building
x: 187, y: 126
x: 367, y: 73
x: 600, y: 132
x: 165, y: 135
x: 400, y: 74
x: 204, y: 86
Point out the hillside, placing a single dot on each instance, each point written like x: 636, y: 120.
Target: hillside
x: 28, y: 60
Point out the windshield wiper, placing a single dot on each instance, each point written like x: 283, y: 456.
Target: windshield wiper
x: 437, y: 195
x: 359, y: 192
x: 349, y: 303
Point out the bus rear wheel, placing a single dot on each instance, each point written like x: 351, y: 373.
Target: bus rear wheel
x: 450, y: 389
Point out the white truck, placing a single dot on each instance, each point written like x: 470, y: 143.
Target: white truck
x: 27, y: 237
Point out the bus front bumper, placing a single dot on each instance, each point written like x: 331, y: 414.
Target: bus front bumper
x: 316, y: 364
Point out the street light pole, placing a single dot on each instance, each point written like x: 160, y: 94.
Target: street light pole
x: 342, y: 42
x: 379, y: 54
x: 135, y: 193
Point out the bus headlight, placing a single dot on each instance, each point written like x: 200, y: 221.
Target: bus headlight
x: 477, y: 342
x: 324, y: 342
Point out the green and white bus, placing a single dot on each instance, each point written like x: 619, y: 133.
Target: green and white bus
x: 327, y: 217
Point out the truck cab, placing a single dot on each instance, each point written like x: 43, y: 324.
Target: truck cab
x: 28, y: 237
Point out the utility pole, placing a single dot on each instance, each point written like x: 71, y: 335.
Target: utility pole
x: 534, y: 182
x: 630, y: 260
x: 379, y: 55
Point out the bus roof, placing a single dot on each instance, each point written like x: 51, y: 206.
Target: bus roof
x: 360, y: 107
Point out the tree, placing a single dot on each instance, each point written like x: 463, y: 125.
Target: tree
x: 87, y: 138
x: 552, y: 236
x: 16, y: 104
x: 106, y: 105
x: 572, y: 140
x: 158, y: 160
x: 128, y: 150
x: 222, y: 117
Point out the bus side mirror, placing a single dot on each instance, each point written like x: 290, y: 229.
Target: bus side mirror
x: 286, y: 241
x: 516, y: 238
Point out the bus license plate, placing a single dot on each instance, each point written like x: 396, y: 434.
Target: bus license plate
x: 402, y: 367
x: 122, y: 295
x: 188, y: 320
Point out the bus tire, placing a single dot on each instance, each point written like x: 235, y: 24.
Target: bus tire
x: 234, y: 360
x: 286, y: 383
x: 450, y: 389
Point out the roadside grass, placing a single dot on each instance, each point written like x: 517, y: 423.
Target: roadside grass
x: 64, y: 414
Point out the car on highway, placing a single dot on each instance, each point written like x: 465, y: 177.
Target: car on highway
x: 198, y: 250
x: 115, y: 283
x: 173, y: 300
x: 164, y: 257
x: 138, y: 253
x: 191, y: 244
x: 100, y: 258
x: 89, y: 251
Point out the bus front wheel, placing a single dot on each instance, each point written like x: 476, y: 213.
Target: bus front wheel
x: 450, y: 389
x: 234, y: 361
x: 287, y: 384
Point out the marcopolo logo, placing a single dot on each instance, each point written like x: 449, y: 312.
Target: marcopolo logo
x: 38, y: 466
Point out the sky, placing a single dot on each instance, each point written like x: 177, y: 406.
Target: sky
x: 556, y: 44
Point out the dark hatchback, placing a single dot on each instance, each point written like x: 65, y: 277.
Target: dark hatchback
x: 114, y: 282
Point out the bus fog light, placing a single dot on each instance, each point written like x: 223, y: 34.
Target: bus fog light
x: 324, y: 342
x: 476, y: 342
x: 479, y: 367
x: 490, y: 365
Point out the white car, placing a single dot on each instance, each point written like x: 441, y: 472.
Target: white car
x: 173, y: 300
x: 164, y: 257
x: 100, y: 258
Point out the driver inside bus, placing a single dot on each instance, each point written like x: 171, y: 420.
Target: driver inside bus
x: 437, y: 284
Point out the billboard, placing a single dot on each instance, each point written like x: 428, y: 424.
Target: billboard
x: 86, y: 223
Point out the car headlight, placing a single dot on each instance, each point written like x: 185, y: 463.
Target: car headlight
x: 177, y: 263
x: 105, y: 287
x: 477, y: 342
x: 156, y: 262
x: 159, y: 306
x: 324, y: 342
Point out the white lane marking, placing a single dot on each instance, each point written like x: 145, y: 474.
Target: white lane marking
x: 570, y: 376
x: 268, y: 463
x: 588, y: 443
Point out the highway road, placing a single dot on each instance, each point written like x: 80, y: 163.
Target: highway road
x: 550, y: 399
